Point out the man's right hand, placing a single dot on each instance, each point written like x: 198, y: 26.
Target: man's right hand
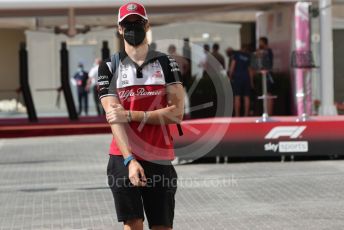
x: 136, y: 174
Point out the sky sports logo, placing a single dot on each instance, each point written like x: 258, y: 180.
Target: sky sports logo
x: 291, y: 132
x: 288, y: 147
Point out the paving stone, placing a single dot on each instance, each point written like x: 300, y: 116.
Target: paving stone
x: 60, y: 183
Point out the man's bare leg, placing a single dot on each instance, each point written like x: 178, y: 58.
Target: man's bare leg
x: 136, y: 224
x: 161, y: 228
x: 247, y: 106
x: 237, y: 106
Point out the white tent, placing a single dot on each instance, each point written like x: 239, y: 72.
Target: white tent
x: 34, y: 14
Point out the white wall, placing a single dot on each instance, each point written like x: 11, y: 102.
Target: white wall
x: 277, y: 25
x: 44, y: 64
x: 9, y: 61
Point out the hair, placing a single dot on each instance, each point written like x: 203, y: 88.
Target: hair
x: 172, y: 49
x: 97, y: 61
x: 246, y: 48
x: 153, y: 46
x: 216, y: 46
x: 142, y: 20
x: 206, y: 46
x: 265, y: 40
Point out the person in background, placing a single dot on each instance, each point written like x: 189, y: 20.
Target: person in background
x: 230, y: 53
x: 82, y: 83
x: 93, y: 78
x: 266, y: 50
x: 219, y: 57
x: 204, y: 59
x: 264, y: 46
x: 241, y: 78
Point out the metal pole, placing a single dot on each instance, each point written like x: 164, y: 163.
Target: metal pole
x: 24, y: 83
x: 265, y: 95
x: 326, y: 46
x: 309, y: 96
x: 73, y: 115
x: 304, y: 96
x: 105, y: 50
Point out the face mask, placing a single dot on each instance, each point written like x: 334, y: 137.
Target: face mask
x: 135, y: 34
x: 80, y: 69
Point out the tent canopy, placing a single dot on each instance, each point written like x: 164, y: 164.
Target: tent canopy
x: 103, y: 12
x: 32, y: 8
x: 35, y: 4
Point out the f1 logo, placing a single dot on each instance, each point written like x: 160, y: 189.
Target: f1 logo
x: 292, y: 132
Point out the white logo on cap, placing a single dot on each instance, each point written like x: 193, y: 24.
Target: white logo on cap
x: 131, y: 7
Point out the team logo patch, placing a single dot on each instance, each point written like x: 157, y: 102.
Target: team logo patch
x: 156, y: 64
x: 131, y: 7
x: 173, y: 64
x: 157, y: 74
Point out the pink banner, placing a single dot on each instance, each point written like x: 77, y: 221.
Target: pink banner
x: 302, y: 43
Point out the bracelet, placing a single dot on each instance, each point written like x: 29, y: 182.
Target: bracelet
x: 145, y: 117
x: 127, y: 160
x: 129, y: 116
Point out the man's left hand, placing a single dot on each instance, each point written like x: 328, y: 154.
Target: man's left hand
x: 117, y: 114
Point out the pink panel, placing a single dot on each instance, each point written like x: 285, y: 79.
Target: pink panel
x: 302, y: 42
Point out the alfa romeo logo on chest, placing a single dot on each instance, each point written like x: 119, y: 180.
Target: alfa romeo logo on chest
x: 131, y: 7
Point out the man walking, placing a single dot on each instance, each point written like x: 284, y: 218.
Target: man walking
x: 143, y: 96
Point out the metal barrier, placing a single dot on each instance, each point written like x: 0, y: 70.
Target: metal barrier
x: 261, y: 62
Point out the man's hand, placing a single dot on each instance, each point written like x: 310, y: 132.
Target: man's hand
x: 117, y: 114
x: 170, y: 109
x: 136, y: 174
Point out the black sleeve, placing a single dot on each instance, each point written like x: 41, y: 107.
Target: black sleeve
x: 85, y: 77
x: 105, y: 84
x: 235, y: 56
x: 271, y: 57
x: 173, y: 75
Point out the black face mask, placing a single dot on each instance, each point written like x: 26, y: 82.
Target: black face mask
x: 135, y: 34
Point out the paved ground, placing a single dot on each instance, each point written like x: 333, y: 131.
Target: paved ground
x: 60, y: 183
